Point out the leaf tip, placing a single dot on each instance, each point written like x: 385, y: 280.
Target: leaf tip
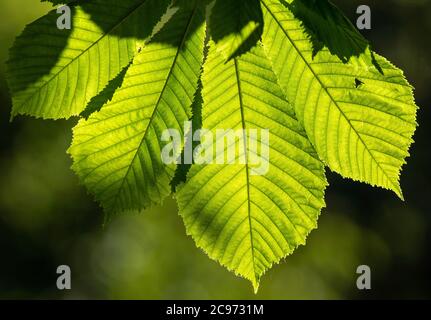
x: 399, y: 192
x: 256, y: 284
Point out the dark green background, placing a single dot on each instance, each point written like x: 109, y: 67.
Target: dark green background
x: 47, y: 219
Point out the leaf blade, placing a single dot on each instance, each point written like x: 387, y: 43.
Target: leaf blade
x: 361, y: 131
x: 117, y: 151
x: 225, y: 208
x: 54, y: 73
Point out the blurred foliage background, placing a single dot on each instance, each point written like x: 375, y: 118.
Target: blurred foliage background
x: 47, y: 219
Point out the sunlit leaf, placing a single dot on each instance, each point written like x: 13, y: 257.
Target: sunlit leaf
x: 117, y: 151
x: 359, y: 114
x: 248, y: 215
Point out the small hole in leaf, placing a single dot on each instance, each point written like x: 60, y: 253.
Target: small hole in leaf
x: 358, y: 83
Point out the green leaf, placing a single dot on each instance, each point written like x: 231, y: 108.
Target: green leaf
x: 54, y: 73
x: 246, y: 219
x: 236, y: 25
x: 117, y: 151
x: 359, y: 114
x: 287, y: 87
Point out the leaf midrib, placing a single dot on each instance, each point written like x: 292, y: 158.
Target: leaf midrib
x: 241, y: 103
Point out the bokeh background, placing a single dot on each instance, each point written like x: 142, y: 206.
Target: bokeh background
x: 47, y: 219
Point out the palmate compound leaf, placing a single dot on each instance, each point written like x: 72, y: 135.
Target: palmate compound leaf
x: 359, y: 114
x: 243, y: 217
x: 357, y: 109
x: 117, y: 151
x: 54, y: 73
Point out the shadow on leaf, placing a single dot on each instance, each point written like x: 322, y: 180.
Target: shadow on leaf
x: 237, y: 25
